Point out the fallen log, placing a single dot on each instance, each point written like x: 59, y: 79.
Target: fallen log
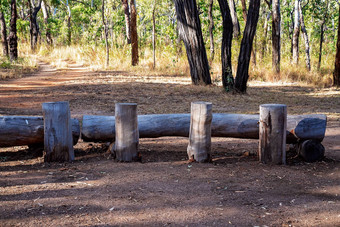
x: 299, y: 127
x: 24, y: 130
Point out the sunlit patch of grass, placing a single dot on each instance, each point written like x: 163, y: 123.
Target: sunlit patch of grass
x: 15, y: 69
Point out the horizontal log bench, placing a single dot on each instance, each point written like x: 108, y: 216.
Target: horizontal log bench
x: 299, y: 127
x: 27, y: 130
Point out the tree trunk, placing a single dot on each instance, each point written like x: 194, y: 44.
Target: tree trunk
x: 272, y: 141
x: 49, y: 39
x: 265, y: 33
x: 305, y: 36
x: 127, y: 20
x: 320, y: 47
x: 13, y: 38
x: 244, y: 13
x: 134, y: 35
x: 189, y: 27
x: 336, y: 74
x: 154, y: 34
x: 34, y: 26
x: 3, y: 34
x: 227, y: 36
x: 58, y: 144
x: 246, y: 46
x: 276, y: 36
x: 211, y: 28
x: 233, y: 14
x: 199, y: 147
x: 296, y: 33
x: 69, y: 28
x: 106, y: 33
x: 299, y: 127
x: 23, y: 130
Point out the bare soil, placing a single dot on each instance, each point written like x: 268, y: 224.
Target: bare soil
x: 164, y: 189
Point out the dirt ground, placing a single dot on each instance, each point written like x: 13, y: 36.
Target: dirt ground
x: 164, y: 189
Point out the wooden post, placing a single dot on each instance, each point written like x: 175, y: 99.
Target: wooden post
x: 200, y: 132
x: 58, y: 144
x: 272, y: 137
x: 127, y: 134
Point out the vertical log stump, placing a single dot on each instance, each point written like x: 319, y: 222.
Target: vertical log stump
x: 58, y: 142
x: 272, y: 133
x: 200, y: 132
x: 127, y: 134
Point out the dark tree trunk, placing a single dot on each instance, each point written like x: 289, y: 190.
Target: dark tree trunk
x: 154, y: 34
x: 246, y: 46
x: 134, y: 35
x: 189, y: 27
x: 233, y: 14
x: 305, y: 36
x: 49, y: 39
x: 3, y: 34
x: 244, y: 13
x: 106, y: 33
x: 127, y: 20
x: 211, y: 28
x: 276, y: 36
x: 227, y: 74
x: 69, y: 31
x: 34, y: 26
x: 336, y: 74
x: 296, y: 33
x: 265, y: 33
x: 13, y: 39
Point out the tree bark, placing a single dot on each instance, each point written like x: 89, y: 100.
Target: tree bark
x: 154, y: 34
x: 34, y: 26
x: 227, y: 36
x: 246, y: 46
x: 24, y: 130
x: 299, y: 127
x: 134, y: 35
x: 106, y: 33
x: 236, y: 24
x: 3, y: 34
x: 199, y: 147
x: 189, y: 27
x: 13, y: 38
x: 336, y: 74
x: 211, y: 28
x: 244, y: 13
x: 272, y: 141
x: 305, y: 36
x: 276, y: 36
x: 127, y: 20
x: 49, y: 39
x: 58, y: 144
x: 265, y: 33
x: 296, y: 33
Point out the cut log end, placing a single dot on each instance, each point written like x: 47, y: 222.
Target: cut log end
x: 311, y: 150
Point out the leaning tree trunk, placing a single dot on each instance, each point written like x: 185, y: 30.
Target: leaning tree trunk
x: 233, y: 14
x: 244, y: 13
x: 49, y: 40
x: 13, y: 38
x: 336, y: 74
x: 211, y: 28
x: 134, y: 36
x: 246, y: 46
x: 296, y: 33
x: 276, y: 36
x: 106, y: 34
x: 305, y: 36
x: 227, y: 74
x: 127, y: 20
x: 3, y: 34
x: 189, y: 27
x: 34, y: 26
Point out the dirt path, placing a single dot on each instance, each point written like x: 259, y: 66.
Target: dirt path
x: 233, y: 190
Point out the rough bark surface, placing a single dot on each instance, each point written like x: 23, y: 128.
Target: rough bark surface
x: 236, y: 24
x: 276, y: 36
x: 189, y: 27
x: 13, y: 38
x: 199, y: 147
x: 244, y: 13
x: 265, y: 33
x: 134, y: 35
x: 299, y: 127
x: 296, y: 33
x: 106, y: 34
x: 305, y: 36
x: 58, y: 144
x: 272, y: 133
x: 34, y: 26
x: 211, y: 29
x: 246, y: 46
x: 127, y: 20
x: 336, y: 74
x: 4, y: 42
x: 227, y: 37
x: 46, y: 15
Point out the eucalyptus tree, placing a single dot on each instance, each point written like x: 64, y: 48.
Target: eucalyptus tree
x: 3, y: 30
x: 46, y: 15
x: 35, y: 6
x: 305, y: 36
x: 127, y: 20
x: 276, y: 35
x: 336, y: 74
x: 13, y: 38
x: 134, y: 35
x: 233, y: 14
x: 296, y: 32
